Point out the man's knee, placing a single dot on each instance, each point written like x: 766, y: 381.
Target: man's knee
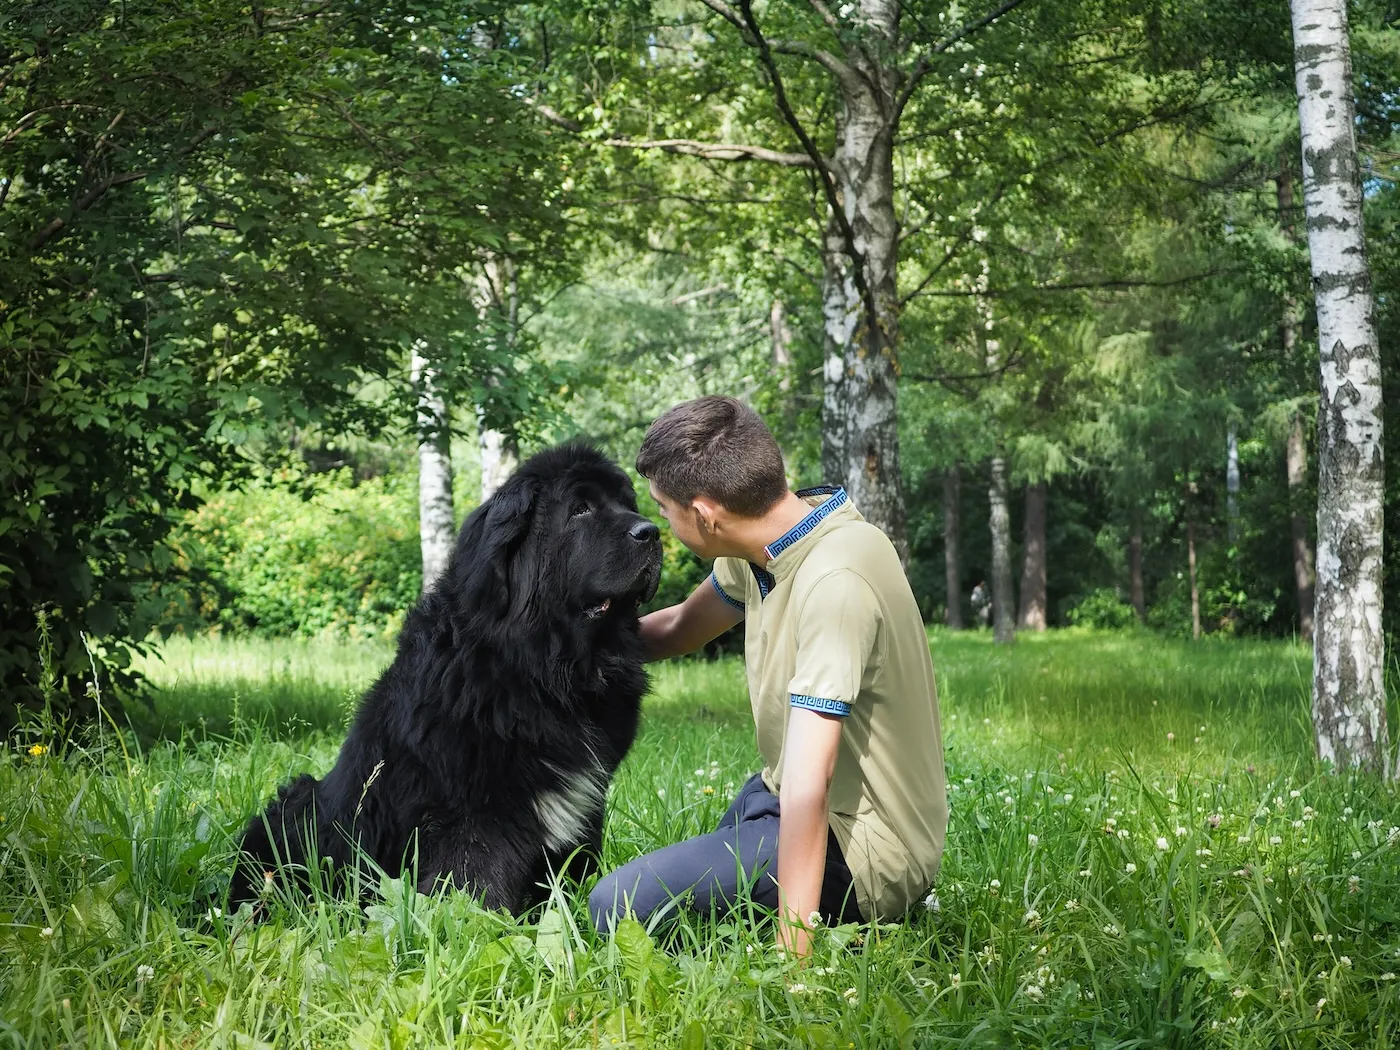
x: 605, y: 903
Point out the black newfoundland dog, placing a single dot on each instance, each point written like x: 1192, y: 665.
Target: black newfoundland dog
x: 485, y: 751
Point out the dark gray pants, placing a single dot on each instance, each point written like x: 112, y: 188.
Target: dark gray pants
x: 736, y: 861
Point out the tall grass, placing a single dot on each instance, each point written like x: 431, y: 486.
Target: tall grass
x: 1142, y: 853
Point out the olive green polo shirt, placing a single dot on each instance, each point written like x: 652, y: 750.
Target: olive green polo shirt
x: 831, y: 625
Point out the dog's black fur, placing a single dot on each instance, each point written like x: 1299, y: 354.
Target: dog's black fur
x: 486, y: 748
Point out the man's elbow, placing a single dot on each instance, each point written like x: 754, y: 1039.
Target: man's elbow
x: 803, y: 792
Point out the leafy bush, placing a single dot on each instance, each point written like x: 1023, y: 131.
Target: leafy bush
x: 344, y: 561
x: 1103, y: 608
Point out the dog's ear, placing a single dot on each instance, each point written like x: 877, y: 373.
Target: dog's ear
x: 488, y: 541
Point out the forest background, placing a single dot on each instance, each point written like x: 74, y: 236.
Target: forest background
x: 274, y: 277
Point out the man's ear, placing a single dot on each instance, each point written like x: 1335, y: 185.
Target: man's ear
x: 707, y: 514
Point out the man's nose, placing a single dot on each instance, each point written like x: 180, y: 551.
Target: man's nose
x: 644, y: 532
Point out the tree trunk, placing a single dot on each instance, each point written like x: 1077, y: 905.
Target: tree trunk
x: 1032, y: 616
x: 1003, y: 588
x: 781, y: 334
x: 952, y: 553
x: 1297, y: 439
x: 1302, y: 552
x: 862, y: 165
x: 1349, y: 648
x: 500, y: 292
x: 1232, y: 484
x: 1191, y: 565
x: 840, y: 315
x: 435, y: 517
x: 1135, y: 588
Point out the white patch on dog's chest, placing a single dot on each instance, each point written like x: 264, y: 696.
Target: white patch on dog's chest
x: 567, y: 814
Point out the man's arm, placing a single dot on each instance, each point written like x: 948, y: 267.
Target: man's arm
x: 683, y: 628
x: 808, y: 762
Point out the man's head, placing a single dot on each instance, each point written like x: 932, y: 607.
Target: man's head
x: 710, y: 461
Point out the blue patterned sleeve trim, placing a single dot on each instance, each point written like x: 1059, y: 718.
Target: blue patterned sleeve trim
x: 821, y: 704
x: 720, y: 591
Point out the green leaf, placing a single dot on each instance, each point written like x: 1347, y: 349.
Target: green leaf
x: 550, y: 939
x: 1214, y: 963
x: 635, y: 947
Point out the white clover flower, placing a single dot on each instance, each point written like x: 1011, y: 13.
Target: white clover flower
x: 1181, y: 833
x: 1130, y: 867
x: 1353, y: 883
x: 1275, y: 840
x: 814, y: 919
x: 1071, y: 905
x: 145, y: 973
x: 1297, y: 823
x: 1034, y: 991
x: 1122, y: 833
x: 46, y: 932
x: 700, y: 772
x: 1321, y: 1003
x: 1112, y: 929
x: 1084, y: 873
x: 1203, y: 852
x: 1069, y: 797
x: 1345, y: 960
x: 1162, y: 843
x: 931, y: 903
x: 1347, y: 811
x: 660, y: 792
x: 1032, y: 840
x: 1295, y: 793
x: 851, y: 995
x: 1356, y: 854
x: 798, y: 989
x: 1240, y: 993
x: 1031, y: 918
x: 1387, y: 976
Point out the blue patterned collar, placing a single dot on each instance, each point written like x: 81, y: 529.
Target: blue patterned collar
x: 836, y: 498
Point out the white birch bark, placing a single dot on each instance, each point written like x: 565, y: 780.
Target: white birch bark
x: 435, y: 518
x: 1349, y: 649
x: 1033, y: 615
x: 500, y: 290
x: 862, y: 164
x: 1003, y: 587
x: 1232, y: 484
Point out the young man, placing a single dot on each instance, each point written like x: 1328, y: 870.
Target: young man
x: 847, y: 818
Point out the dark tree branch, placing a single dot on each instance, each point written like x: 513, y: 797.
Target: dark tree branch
x: 828, y: 181
x: 924, y: 64
x: 953, y: 381
x: 1080, y: 286
x: 747, y: 34
x: 685, y: 147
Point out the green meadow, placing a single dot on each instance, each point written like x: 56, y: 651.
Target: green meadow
x: 1142, y: 853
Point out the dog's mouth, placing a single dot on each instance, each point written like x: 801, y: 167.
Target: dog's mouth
x: 593, y: 612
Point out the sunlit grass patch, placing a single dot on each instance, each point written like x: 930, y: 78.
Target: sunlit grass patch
x: 1104, y: 883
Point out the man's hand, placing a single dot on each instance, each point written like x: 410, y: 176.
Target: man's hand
x: 683, y: 628
x: 809, y: 758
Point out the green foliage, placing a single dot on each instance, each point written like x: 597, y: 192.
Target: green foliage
x: 1275, y: 888
x: 217, y: 221
x: 1104, y: 609
x: 335, y: 560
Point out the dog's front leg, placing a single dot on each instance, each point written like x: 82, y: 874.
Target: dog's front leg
x: 488, y: 866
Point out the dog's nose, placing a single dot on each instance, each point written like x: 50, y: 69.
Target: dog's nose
x: 644, y: 532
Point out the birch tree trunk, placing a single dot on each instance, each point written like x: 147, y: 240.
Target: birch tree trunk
x: 1349, y: 648
x: 863, y: 167
x: 1135, y: 589
x: 781, y: 334
x: 1232, y: 484
x: 1003, y: 588
x: 952, y: 550
x: 1302, y: 552
x: 435, y: 517
x: 1033, y: 569
x: 1297, y: 454
x: 501, y: 292
x: 840, y: 316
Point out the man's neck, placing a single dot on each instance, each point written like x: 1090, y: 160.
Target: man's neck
x: 751, y: 535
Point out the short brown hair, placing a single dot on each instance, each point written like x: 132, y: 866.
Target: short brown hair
x: 718, y: 447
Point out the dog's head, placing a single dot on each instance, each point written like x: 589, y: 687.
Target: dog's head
x: 562, y: 538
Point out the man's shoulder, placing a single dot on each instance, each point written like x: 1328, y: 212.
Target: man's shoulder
x: 855, y: 547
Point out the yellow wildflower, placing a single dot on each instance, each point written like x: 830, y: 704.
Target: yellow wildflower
x: 37, y: 750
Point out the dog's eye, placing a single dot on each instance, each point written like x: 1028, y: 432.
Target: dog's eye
x: 580, y: 507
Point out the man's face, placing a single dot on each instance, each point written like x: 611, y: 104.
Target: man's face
x: 685, y: 522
